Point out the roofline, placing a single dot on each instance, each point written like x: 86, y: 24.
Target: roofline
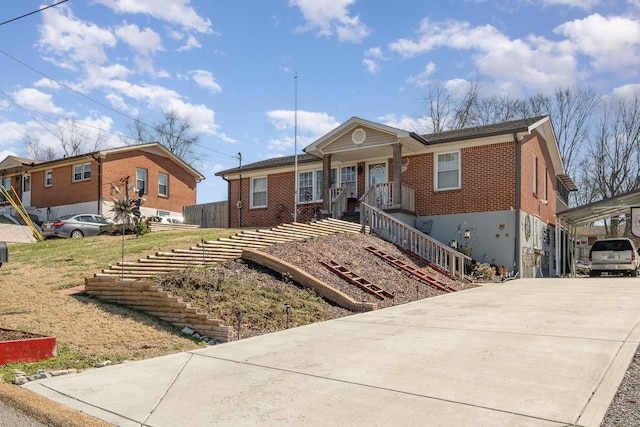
x: 104, y: 153
x: 260, y: 165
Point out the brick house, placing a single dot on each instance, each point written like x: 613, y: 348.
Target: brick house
x: 490, y: 192
x: 89, y: 183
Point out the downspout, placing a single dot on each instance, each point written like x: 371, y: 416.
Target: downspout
x: 239, y: 204
x: 517, y: 258
x: 99, y: 186
x: 228, y: 202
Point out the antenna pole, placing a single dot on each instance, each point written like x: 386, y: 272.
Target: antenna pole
x: 295, y: 144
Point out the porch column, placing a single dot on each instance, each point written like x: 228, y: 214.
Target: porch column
x: 326, y: 182
x: 397, y: 175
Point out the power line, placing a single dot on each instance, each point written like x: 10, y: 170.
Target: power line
x: 94, y: 100
x: 34, y: 12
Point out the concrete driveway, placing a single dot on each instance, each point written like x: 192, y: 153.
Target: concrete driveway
x: 529, y: 352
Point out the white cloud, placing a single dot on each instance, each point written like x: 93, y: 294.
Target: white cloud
x: 10, y: 132
x: 579, y: 4
x: 331, y: 17
x: 73, y: 40
x: 33, y: 99
x: 627, y: 91
x: 372, y: 59
x: 423, y: 79
x: 311, y: 126
x: 177, y: 12
x: 534, y: 63
x: 204, y: 79
x: 404, y: 122
x: 47, y: 84
x: 145, y: 42
x: 612, y: 43
x: 191, y: 43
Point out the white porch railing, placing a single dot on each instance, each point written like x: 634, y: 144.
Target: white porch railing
x: 407, y: 237
x: 382, y: 196
x: 338, y: 199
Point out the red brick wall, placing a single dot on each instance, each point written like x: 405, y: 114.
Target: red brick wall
x: 63, y: 191
x: 488, y: 181
x: 488, y: 184
x: 182, y: 185
x: 530, y: 202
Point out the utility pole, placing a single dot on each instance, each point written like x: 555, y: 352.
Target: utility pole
x: 239, y: 204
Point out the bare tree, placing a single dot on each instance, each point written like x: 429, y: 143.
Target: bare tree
x: 615, y: 152
x: 500, y: 108
x: 36, y: 150
x: 139, y: 132
x: 72, y: 141
x: 571, y: 115
x: 173, y: 132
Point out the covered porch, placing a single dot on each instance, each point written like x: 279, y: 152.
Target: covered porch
x: 378, y: 152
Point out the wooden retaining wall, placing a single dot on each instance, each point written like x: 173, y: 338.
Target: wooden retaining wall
x: 144, y: 296
x: 305, y: 279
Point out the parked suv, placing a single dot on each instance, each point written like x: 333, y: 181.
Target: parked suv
x: 616, y: 255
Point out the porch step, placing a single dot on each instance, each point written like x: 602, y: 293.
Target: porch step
x: 421, y: 275
x: 223, y: 249
x: 351, y: 217
x: 357, y: 280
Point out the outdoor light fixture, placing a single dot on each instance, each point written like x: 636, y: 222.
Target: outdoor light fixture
x: 288, y: 310
x: 467, y: 233
x: 239, y: 317
x: 454, y: 244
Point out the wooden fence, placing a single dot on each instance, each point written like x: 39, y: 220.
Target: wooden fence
x: 207, y: 215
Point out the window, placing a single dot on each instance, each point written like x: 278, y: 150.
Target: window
x: 163, y: 184
x: 82, y: 172
x: 448, y: 171
x: 6, y: 183
x: 320, y: 182
x: 348, y: 180
x: 48, y: 178
x: 544, y: 184
x: 535, y: 175
x: 141, y: 180
x: 259, y: 192
x: 305, y: 187
x: 26, y: 183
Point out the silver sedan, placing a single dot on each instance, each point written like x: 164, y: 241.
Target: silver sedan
x: 74, y: 226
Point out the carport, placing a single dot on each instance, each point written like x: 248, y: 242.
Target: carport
x: 569, y: 220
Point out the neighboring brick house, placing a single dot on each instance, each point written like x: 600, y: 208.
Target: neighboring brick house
x: 89, y: 183
x: 491, y: 191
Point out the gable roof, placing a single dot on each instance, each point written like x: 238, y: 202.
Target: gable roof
x: 320, y: 145
x: 153, y: 147
x: 14, y: 161
x: 274, y: 162
x: 313, y: 152
x: 522, y: 125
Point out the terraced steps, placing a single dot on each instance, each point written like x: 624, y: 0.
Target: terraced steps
x: 212, y: 251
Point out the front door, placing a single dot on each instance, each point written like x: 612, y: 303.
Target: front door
x: 378, y: 178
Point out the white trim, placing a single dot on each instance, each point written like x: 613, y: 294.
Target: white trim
x: 166, y: 193
x: 436, y: 183
x: 50, y: 184
x: 535, y: 175
x: 83, y: 172
x: 266, y: 191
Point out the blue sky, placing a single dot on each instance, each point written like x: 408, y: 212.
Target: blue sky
x: 229, y: 66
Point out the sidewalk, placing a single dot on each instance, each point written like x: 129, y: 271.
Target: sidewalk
x: 529, y: 352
